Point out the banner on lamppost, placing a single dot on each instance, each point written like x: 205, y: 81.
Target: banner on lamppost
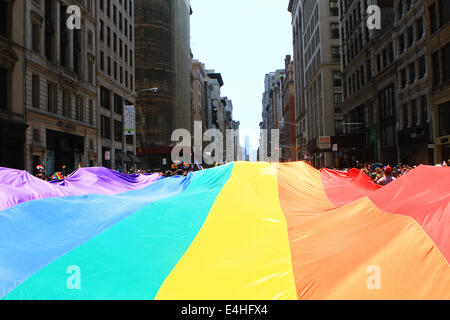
x: 129, y: 122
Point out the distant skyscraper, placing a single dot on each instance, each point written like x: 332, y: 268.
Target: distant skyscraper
x: 247, y: 149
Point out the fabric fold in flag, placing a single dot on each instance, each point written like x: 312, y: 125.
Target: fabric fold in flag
x: 241, y: 231
x: 131, y: 258
x: 38, y: 232
x: 18, y: 186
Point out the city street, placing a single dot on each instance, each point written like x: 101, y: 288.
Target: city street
x: 206, y: 153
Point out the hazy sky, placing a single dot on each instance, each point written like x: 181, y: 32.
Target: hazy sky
x: 243, y: 40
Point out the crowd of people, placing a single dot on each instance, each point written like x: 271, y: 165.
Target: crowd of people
x: 384, y: 175
x: 378, y: 173
x: 174, y: 171
x: 167, y: 172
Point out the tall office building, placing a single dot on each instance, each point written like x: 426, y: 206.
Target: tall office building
x: 438, y: 17
x: 163, y: 61
x: 414, y: 119
x: 386, y: 83
x: 368, y: 83
x: 60, y: 96
x: 316, y: 27
x: 247, y: 148
x: 115, y: 80
x: 295, y: 8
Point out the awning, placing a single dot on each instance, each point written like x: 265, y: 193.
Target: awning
x: 134, y: 158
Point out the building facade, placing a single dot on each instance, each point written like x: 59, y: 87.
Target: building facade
x: 295, y: 8
x: 290, y: 149
x: 319, y: 62
x: 214, y: 105
x: 163, y: 61
x: 386, y: 83
x: 438, y: 22
x: 12, y: 66
x: 199, y: 107
x: 359, y: 90
x: 60, y: 95
x: 415, y: 131
x: 115, y: 80
x: 272, y: 110
x: 237, y: 142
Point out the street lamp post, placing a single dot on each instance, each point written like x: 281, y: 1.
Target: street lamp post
x: 154, y: 90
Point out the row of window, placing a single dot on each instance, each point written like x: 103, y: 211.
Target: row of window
x: 334, y: 8
x: 105, y: 121
x: 441, y: 75
x: 406, y: 40
x: 113, y: 69
x: 439, y: 12
x: 69, y: 109
x: 106, y: 5
x: 416, y: 70
x: 105, y: 129
x: 414, y: 113
x: 345, y: 5
x: 64, y: 51
x: 312, y: 46
x: 403, y: 8
x: 86, y: 3
x: 385, y: 57
x: 156, y: 120
x: 105, y: 100
x: 357, y: 80
x: 354, y: 19
x: 311, y: 12
x: 354, y: 46
x: 114, y: 36
x: 120, y: 47
x: 313, y: 66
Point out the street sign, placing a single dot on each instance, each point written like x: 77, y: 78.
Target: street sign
x: 129, y: 116
x: 335, y: 147
x: 324, y: 142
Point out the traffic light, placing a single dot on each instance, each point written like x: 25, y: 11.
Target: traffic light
x: 297, y: 149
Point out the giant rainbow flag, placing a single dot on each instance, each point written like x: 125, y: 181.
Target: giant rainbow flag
x: 238, y: 231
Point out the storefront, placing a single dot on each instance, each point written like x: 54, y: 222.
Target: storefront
x: 63, y: 149
x: 12, y: 141
x: 157, y: 157
x: 414, y: 146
